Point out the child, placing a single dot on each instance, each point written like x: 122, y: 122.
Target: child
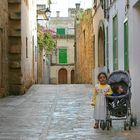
x: 118, y: 90
x: 98, y: 101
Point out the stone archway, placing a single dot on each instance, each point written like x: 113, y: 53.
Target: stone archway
x: 72, y: 77
x: 62, y: 76
x: 101, y: 45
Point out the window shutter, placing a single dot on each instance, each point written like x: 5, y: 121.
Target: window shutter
x: 62, y: 56
x: 61, y: 31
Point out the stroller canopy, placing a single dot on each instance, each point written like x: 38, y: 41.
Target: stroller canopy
x: 119, y: 76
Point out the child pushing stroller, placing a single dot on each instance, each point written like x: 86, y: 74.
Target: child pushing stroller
x: 118, y: 104
x: 120, y: 100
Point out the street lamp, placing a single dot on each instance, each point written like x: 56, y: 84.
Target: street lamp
x: 46, y: 12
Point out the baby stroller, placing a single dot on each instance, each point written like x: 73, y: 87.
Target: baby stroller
x: 119, y: 107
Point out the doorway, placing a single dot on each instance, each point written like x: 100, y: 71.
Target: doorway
x: 62, y: 76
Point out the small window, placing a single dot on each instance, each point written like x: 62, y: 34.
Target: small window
x: 26, y: 47
x: 61, y: 31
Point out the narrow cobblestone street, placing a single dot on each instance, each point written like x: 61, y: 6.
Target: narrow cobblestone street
x: 55, y: 112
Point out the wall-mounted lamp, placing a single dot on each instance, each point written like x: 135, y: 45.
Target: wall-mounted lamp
x: 45, y: 11
x: 48, y: 12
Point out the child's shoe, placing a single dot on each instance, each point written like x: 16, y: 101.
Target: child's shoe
x: 96, y: 126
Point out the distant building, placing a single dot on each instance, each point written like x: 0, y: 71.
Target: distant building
x: 62, y: 59
x: 73, y: 12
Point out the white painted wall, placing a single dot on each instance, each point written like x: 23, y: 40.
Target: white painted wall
x: 133, y: 16
x: 28, y: 29
x: 118, y: 8
x: 134, y: 41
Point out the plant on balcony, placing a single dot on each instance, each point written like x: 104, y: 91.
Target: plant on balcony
x: 45, y: 40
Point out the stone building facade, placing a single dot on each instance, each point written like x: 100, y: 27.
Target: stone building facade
x: 122, y: 20
x: 18, y: 63
x: 85, y: 48
x: 3, y: 48
x: 99, y: 37
x: 62, y: 59
x: 22, y: 42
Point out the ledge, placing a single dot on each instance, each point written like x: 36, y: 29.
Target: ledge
x: 15, y: 15
x: 14, y: 1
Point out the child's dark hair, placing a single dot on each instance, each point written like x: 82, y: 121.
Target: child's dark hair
x: 101, y: 74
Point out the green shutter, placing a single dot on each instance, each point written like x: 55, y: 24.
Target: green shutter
x: 107, y: 49
x: 126, y: 60
x: 61, y: 31
x: 62, y: 56
x: 115, y: 43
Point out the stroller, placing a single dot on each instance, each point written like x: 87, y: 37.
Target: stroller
x: 119, y: 107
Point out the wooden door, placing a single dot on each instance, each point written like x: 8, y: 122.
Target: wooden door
x: 62, y: 76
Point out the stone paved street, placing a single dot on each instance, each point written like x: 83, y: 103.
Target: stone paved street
x: 55, y: 112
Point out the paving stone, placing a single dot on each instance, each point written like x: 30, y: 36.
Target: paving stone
x: 56, y: 112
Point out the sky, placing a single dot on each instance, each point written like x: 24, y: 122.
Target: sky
x: 63, y: 5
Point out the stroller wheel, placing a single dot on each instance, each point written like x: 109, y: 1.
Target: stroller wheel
x: 125, y: 125
x: 102, y: 125
x: 108, y: 125
x: 135, y: 121
x: 129, y: 127
x: 131, y: 121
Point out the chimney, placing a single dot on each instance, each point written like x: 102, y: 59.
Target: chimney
x: 77, y: 6
x: 57, y: 13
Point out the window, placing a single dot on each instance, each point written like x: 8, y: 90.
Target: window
x: 115, y: 43
x: 102, y: 3
x: 26, y: 47
x: 94, y: 3
x: 84, y: 37
x: 62, y: 56
x: 61, y: 31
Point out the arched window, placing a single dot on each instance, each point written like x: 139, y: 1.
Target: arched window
x: 101, y: 45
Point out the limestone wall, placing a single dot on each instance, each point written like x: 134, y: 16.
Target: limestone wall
x: 84, y: 49
x: 3, y: 48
